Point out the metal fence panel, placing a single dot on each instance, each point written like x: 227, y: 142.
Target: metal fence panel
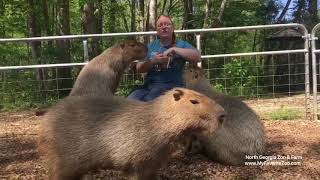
x: 272, y: 77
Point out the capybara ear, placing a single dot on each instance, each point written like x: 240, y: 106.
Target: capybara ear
x: 196, y: 74
x: 177, y: 94
x: 122, y: 44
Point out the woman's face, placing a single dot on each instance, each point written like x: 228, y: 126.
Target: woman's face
x: 164, y: 27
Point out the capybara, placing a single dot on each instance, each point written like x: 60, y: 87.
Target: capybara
x: 102, y: 74
x: 82, y: 133
x: 242, y: 133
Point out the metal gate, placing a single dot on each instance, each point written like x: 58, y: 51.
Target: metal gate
x: 310, y: 110
x: 315, y: 71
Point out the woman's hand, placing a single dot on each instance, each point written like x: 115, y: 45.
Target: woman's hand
x: 161, y: 59
x: 170, y: 52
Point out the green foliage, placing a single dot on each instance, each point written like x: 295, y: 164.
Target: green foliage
x: 241, y: 77
x: 14, y: 19
x: 126, y: 88
x: 20, y: 89
x: 285, y: 114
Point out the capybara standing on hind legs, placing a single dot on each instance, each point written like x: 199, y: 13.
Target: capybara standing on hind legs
x: 102, y: 74
x: 81, y: 133
x: 242, y: 133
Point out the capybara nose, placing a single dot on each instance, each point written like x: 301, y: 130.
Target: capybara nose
x: 222, y: 115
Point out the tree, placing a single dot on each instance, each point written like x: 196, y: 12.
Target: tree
x: 188, y: 19
x: 151, y: 18
x: 2, y: 12
x: 284, y: 11
x: 300, y: 11
x: 112, y: 16
x: 312, y: 18
x: 63, y: 46
x: 35, y: 31
x: 91, y: 24
x: 133, y: 15
x: 141, y: 18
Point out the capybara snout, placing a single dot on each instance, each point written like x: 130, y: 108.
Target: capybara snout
x: 134, y: 49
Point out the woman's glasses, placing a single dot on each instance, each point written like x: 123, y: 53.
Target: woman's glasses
x: 163, y: 25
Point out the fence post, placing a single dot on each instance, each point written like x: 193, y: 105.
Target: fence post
x: 314, y: 71
x: 307, y: 74
x: 198, y: 38
x: 85, y: 51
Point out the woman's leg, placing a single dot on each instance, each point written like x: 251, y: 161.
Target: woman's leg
x: 157, y: 90
x: 138, y: 94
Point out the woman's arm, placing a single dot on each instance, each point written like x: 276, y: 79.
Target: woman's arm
x: 190, y: 54
x: 143, y: 67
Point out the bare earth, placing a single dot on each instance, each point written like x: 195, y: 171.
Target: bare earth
x: 296, y: 138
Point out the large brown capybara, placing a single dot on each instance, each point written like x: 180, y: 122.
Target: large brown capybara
x: 82, y: 133
x: 102, y: 74
x: 242, y: 133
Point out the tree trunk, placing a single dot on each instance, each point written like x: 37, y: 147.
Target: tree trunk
x: 2, y: 12
x: 48, y: 31
x: 313, y: 14
x: 112, y: 16
x: 163, y: 6
x: 63, y: 46
x: 208, y: 14
x: 152, y: 17
x: 298, y: 14
x: 99, y: 17
x: 35, y: 31
x: 206, y: 23
x: 91, y: 25
x: 221, y: 11
x: 133, y: 15
x: 141, y: 19
x: 284, y: 11
x: 187, y: 19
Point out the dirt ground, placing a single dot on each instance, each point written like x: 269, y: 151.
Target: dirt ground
x: 295, y: 138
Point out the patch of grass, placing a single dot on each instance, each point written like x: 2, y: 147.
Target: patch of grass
x: 285, y: 114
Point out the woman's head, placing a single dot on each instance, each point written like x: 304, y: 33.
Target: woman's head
x: 165, y: 28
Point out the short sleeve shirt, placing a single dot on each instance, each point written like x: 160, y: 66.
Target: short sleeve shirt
x: 174, y: 73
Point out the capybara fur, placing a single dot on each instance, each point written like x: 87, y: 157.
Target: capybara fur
x: 102, y: 74
x: 242, y: 133
x: 82, y: 133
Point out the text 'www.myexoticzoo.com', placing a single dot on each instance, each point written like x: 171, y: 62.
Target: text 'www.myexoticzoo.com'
x: 274, y: 160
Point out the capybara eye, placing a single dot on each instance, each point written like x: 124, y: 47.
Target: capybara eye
x: 194, y: 101
x: 221, y: 118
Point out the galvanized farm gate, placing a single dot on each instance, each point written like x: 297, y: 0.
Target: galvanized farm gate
x: 310, y: 105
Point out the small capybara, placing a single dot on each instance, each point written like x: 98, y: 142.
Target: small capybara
x: 102, y: 74
x: 82, y: 133
x: 242, y: 133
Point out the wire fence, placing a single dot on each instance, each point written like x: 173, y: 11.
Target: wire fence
x: 270, y: 80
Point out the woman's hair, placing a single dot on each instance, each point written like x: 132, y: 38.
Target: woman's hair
x: 173, y: 34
